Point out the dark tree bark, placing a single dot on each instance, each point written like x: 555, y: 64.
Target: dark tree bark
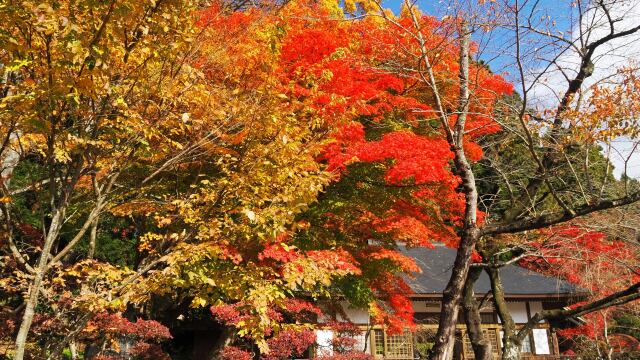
x: 511, y: 343
x: 481, y: 346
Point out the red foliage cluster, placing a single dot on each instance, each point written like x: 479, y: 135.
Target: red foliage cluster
x: 344, y: 339
x: 146, y: 334
x: 584, y: 257
x: 106, y: 357
x: 229, y: 314
x: 7, y: 323
x: 234, y: 21
x: 296, y: 309
x: 301, y: 310
x: 30, y: 234
x: 405, y: 263
x: 286, y: 344
x: 339, y: 259
x: 145, y: 351
x: 44, y: 324
x: 623, y: 343
x: 321, y: 65
x: 351, y: 355
x: 278, y: 252
x: 422, y: 159
x: 402, y: 306
x: 301, y: 50
x: 591, y: 261
x: 397, y: 310
x: 115, y: 324
x: 476, y: 257
x: 289, y: 343
x: 403, y: 224
x: 338, y: 154
x: 235, y: 353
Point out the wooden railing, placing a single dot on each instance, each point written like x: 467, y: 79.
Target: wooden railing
x: 491, y: 331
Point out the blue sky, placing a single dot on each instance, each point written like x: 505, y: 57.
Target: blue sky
x: 559, y: 10
x: 499, y: 56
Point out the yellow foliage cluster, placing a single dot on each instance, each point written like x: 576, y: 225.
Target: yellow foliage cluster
x: 610, y: 111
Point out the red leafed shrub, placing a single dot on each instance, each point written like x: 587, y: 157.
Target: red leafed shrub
x: 146, y: 351
x: 289, y: 343
x: 115, y: 324
x: 351, y: 355
x: 106, y: 357
x: 113, y: 328
x: 301, y: 310
x: 344, y: 342
x: 235, y: 353
x: 151, y: 330
x: 624, y: 343
x: 227, y: 313
x: 297, y: 306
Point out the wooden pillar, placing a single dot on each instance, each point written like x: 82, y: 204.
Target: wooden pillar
x: 554, y: 341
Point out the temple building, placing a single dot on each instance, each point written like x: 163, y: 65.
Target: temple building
x: 527, y: 292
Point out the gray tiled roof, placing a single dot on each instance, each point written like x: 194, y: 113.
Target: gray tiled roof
x: 436, y: 267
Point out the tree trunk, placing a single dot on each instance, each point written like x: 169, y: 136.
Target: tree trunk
x: 8, y: 161
x: 92, y: 239
x: 510, y: 351
x: 481, y: 347
x: 34, y: 289
x: 452, y: 295
x: 73, y: 349
x: 445, y: 337
x: 510, y: 340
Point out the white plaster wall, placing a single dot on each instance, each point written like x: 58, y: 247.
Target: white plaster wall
x: 535, y: 307
x: 518, y: 311
x: 424, y: 306
x: 324, y: 339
